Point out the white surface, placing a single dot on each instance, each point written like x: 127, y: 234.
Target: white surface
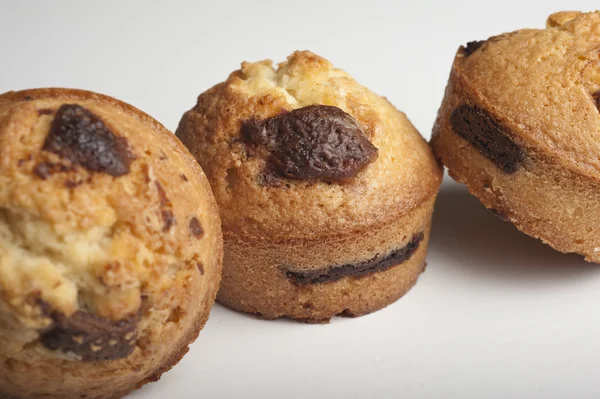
x: 496, y: 315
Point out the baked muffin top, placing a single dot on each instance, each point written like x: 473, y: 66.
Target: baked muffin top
x: 302, y: 150
x: 543, y: 86
x: 103, y: 213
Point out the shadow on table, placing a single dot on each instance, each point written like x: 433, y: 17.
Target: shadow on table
x: 479, y: 242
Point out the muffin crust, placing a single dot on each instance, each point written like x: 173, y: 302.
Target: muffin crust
x: 339, y: 179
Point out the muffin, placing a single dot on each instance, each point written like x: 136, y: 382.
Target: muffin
x: 325, y: 190
x: 110, y: 246
x: 520, y: 127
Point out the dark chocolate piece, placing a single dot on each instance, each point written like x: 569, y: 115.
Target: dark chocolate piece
x: 90, y: 337
x: 314, y: 142
x: 82, y: 137
x: 376, y: 264
x: 596, y: 97
x: 196, y: 228
x: 488, y: 135
x: 471, y: 47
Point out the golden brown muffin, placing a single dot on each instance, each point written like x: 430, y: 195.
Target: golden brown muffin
x: 110, y: 246
x: 325, y: 190
x: 520, y: 126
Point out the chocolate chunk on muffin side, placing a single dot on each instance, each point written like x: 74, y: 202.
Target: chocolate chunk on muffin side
x: 488, y: 135
x: 376, y: 264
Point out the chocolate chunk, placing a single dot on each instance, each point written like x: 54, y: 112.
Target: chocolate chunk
x: 196, y: 228
x: 471, y: 47
x: 82, y: 137
x: 45, y: 111
x: 376, y: 264
x: 488, y: 135
x: 90, y: 337
x: 183, y: 177
x: 596, y: 97
x: 314, y: 142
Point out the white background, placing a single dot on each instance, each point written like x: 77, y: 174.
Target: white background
x: 496, y: 315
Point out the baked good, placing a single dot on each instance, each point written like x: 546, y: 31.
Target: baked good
x: 520, y: 126
x: 325, y: 190
x: 110, y: 246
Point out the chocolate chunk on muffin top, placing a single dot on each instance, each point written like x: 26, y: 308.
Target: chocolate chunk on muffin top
x: 314, y: 142
x: 82, y: 137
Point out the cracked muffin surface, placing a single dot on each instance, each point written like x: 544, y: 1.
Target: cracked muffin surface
x: 110, y: 246
x: 518, y: 126
x: 320, y: 182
